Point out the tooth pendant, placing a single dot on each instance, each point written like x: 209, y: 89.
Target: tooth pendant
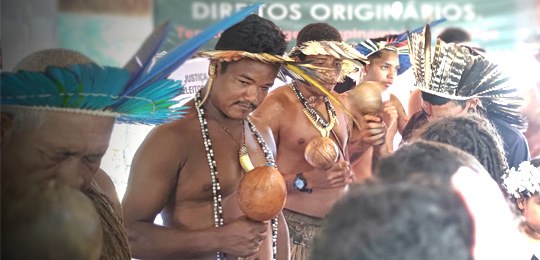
x: 245, y: 161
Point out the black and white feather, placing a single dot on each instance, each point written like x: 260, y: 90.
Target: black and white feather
x: 459, y: 73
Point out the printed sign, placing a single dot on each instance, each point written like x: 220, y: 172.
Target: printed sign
x: 493, y: 24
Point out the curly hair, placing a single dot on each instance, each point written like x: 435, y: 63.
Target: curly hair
x: 454, y: 34
x: 318, y: 32
x: 253, y: 34
x: 473, y: 134
x: 419, y: 156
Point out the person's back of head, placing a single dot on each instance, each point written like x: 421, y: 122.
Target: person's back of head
x: 427, y: 157
x: 253, y: 34
x: 473, y: 134
x: 318, y: 32
x: 454, y: 34
x: 40, y: 60
x: 418, y: 218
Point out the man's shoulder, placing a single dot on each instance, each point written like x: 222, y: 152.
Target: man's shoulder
x: 278, y: 99
x: 281, y: 94
x: 176, y: 131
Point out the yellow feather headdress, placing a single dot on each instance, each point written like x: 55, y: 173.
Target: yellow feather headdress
x: 352, y: 59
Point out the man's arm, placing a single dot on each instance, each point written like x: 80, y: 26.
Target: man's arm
x: 106, y: 185
x: 402, y: 118
x: 371, y: 131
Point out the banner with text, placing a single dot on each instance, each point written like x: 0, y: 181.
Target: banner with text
x: 494, y: 25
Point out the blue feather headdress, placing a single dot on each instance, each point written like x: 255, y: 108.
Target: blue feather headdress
x: 396, y: 43
x: 138, y: 93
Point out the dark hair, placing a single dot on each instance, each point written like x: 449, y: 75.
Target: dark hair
x: 456, y: 35
x: 253, y: 34
x: 418, y: 218
x: 473, y: 134
x: 433, y: 158
x: 378, y: 53
x: 318, y: 32
x: 439, y: 101
x: 536, y: 162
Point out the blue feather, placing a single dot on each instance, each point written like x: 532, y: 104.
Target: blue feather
x: 142, y: 59
x: 178, y: 55
x: 149, y: 100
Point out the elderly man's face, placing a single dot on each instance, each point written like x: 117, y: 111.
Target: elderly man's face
x: 66, y: 146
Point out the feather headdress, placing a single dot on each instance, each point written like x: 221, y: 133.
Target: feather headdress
x: 459, y: 73
x: 352, y: 59
x: 306, y: 73
x: 138, y: 93
x: 231, y: 55
x: 396, y: 42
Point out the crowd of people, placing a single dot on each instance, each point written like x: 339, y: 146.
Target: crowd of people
x: 462, y: 185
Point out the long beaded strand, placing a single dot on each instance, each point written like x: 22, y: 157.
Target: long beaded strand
x: 270, y: 162
x: 216, y: 188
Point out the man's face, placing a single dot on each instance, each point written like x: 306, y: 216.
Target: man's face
x: 331, y: 72
x: 244, y: 84
x: 383, y: 69
x: 438, y: 111
x: 66, y: 146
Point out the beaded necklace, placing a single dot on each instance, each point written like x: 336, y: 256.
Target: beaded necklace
x: 316, y: 119
x: 216, y: 187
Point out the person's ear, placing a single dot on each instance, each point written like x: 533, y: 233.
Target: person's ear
x: 6, y: 124
x: 364, y: 69
x: 521, y: 204
x: 212, y: 69
x: 472, y: 104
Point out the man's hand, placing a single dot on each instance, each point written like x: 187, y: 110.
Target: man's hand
x: 373, y: 130
x: 243, y: 236
x: 390, y: 114
x: 336, y: 176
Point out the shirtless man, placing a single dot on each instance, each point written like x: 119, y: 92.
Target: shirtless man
x: 311, y: 192
x: 170, y: 173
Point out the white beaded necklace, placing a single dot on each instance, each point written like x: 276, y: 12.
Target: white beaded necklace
x: 216, y: 187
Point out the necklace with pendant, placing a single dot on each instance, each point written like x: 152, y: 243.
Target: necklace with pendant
x: 314, y: 117
x: 216, y: 187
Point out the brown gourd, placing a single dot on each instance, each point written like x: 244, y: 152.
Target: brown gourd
x: 321, y: 153
x: 49, y: 220
x: 261, y: 193
x: 366, y: 98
